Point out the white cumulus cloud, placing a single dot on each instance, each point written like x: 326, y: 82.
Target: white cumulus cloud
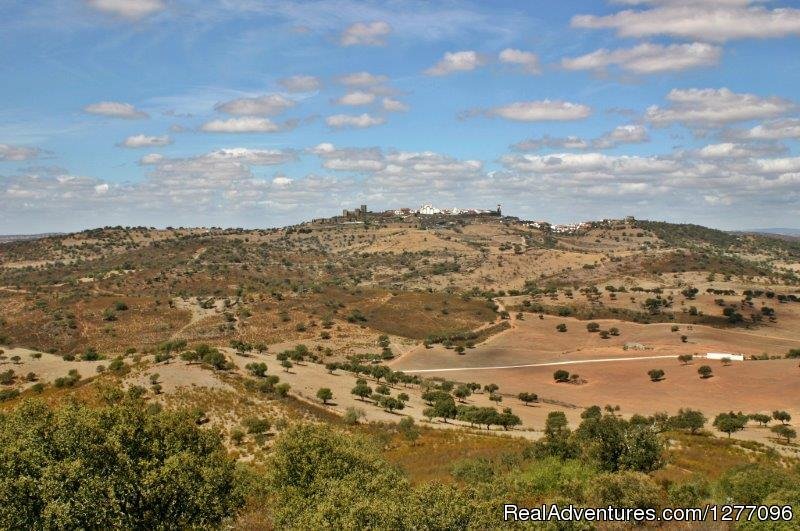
x: 716, y: 21
x: 245, y: 124
x: 141, y: 141
x: 527, y: 61
x: 356, y: 98
x: 115, y: 109
x: 452, y: 62
x: 130, y: 9
x: 266, y: 105
x: 393, y: 105
x: 648, y: 58
x: 300, y: 83
x: 19, y: 153
x: 543, y: 110
x: 712, y: 107
x: 622, y: 134
x: 362, y: 79
x: 366, y: 34
x: 360, y: 121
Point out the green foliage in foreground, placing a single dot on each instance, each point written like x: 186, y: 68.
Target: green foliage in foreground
x: 125, y: 465
x: 131, y: 465
x: 322, y: 478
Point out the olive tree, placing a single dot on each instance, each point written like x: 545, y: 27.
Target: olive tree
x: 123, y: 465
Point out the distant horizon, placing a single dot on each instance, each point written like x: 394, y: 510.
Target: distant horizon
x: 766, y: 230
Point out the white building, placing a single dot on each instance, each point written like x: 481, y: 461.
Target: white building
x: 724, y: 355
x: 428, y: 210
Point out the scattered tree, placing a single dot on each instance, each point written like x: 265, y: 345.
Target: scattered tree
x: 527, y: 398
x: 324, y: 394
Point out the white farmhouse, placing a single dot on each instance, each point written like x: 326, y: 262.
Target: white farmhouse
x: 723, y: 355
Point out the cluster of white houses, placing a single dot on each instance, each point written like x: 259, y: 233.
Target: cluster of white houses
x: 430, y: 210
x: 362, y: 214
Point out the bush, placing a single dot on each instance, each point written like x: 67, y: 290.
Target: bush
x: 7, y: 377
x: 626, y: 489
x: 352, y: 415
x: 475, y: 470
x: 172, y: 473
x: 90, y: 354
x: 561, y: 375
x: 256, y: 425
x: 8, y: 394
x: 705, y: 371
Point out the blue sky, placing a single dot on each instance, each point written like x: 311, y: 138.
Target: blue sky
x: 249, y: 113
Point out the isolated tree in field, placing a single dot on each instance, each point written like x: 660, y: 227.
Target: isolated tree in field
x: 614, y: 331
x: 653, y: 305
x: 491, y: 388
x: 688, y: 419
x: 704, y: 371
x: 593, y: 327
x: 380, y: 371
x: 782, y: 416
x: 361, y: 390
x: 690, y: 293
x: 685, y: 358
x: 527, y: 398
x: 445, y: 408
x: 461, y: 392
x: 409, y: 430
x: 390, y: 403
x: 656, y: 375
x: 352, y: 415
x: 496, y: 397
x: 556, y: 422
x: 257, y: 369
x: 761, y: 418
x: 324, y: 394
x: 561, y: 376
x: 432, y: 395
x: 211, y: 356
x: 561, y: 327
x: 507, y: 419
x: 784, y: 432
x: 730, y: 422
x: 286, y: 364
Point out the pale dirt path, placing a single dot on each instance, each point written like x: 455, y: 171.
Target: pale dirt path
x: 548, y: 364
x: 198, y: 313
